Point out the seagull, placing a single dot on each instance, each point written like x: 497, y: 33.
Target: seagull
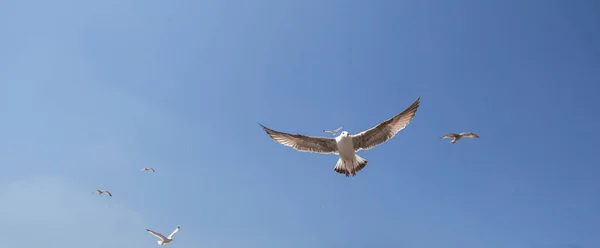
x: 99, y: 191
x: 346, y: 145
x: 333, y: 132
x: 163, y: 240
x: 148, y: 169
x: 455, y: 137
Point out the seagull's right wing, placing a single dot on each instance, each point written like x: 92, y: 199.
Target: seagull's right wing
x: 470, y: 135
x: 158, y: 235
x: 152, y: 169
x: 337, y: 130
x: 173, y: 233
x: 107, y: 192
x: 303, y: 143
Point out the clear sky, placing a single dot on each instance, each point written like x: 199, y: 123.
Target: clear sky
x: 92, y: 91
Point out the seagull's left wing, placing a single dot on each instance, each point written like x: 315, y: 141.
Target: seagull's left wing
x: 173, y: 233
x: 337, y: 130
x: 385, y: 130
x: 303, y: 143
x: 107, y: 192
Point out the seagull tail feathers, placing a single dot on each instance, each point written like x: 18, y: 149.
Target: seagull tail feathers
x: 350, y: 167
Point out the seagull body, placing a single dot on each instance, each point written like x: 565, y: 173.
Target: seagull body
x: 457, y: 136
x: 346, y: 145
x: 333, y: 132
x: 99, y: 191
x: 163, y: 240
x: 148, y: 169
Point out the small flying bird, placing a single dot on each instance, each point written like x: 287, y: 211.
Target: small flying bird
x: 455, y: 137
x: 347, y: 145
x: 99, y: 191
x: 333, y: 132
x: 148, y: 169
x: 163, y: 240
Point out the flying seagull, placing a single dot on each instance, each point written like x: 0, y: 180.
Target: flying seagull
x: 99, y: 191
x: 347, y: 145
x: 148, y: 169
x: 455, y: 137
x: 163, y: 240
x: 333, y: 132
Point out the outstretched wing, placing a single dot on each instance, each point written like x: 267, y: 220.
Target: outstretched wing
x: 108, y: 192
x: 158, y: 235
x: 303, y: 143
x: 328, y: 131
x: 337, y: 130
x: 385, y: 130
x: 470, y: 135
x: 450, y: 135
x: 174, y: 232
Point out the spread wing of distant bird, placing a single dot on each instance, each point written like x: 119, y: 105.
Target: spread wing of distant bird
x: 173, y: 233
x: 303, y: 143
x: 450, y: 135
x: 333, y: 132
x: 148, y: 169
x: 385, y: 130
x: 469, y: 135
x: 158, y: 235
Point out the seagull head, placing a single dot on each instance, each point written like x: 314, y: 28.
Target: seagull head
x: 344, y: 134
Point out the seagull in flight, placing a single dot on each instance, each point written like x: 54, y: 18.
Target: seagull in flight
x: 455, y: 137
x: 333, y: 132
x: 148, y: 169
x: 99, y: 191
x: 346, y: 145
x: 163, y: 240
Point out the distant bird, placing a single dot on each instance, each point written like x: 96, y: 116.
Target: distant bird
x: 346, y: 145
x: 163, y: 240
x: 99, y: 191
x: 455, y: 137
x: 333, y: 132
x: 148, y: 169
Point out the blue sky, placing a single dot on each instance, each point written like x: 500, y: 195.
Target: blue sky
x: 92, y: 91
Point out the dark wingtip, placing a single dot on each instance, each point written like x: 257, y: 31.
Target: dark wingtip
x: 414, y: 106
x: 263, y: 126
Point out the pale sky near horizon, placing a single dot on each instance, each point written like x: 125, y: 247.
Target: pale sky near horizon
x: 93, y: 91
